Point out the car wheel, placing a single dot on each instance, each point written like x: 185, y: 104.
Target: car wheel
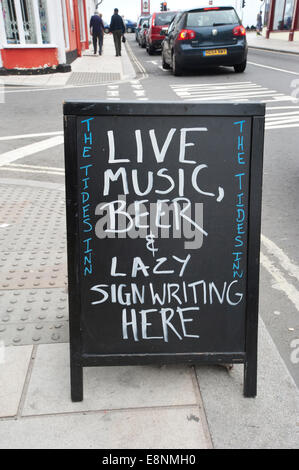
x: 239, y: 68
x: 150, y: 50
x: 176, y: 69
x: 165, y: 65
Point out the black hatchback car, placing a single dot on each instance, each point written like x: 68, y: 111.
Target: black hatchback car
x: 206, y: 37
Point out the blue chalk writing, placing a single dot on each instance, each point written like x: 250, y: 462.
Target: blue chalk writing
x: 240, y: 208
x: 87, y: 152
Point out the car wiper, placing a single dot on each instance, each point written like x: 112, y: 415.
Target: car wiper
x: 220, y: 24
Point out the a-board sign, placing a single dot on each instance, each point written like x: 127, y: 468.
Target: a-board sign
x: 163, y: 227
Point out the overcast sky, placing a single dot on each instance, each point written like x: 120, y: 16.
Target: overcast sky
x: 131, y: 8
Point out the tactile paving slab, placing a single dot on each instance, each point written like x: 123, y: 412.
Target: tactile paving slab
x: 92, y: 78
x: 33, y: 316
x: 32, y: 238
x: 33, y: 265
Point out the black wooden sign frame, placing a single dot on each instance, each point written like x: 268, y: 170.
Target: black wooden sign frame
x: 78, y: 360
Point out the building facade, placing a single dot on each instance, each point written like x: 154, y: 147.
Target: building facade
x: 42, y: 35
x: 282, y: 19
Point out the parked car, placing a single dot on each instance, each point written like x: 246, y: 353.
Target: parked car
x: 130, y: 26
x: 139, y: 23
x: 106, y: 27
x: 209, y: 36
x: 143, y: 32
x: 158, y: 21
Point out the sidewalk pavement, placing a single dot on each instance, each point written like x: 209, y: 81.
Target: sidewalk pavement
x: 275, y: 45
x: 177, y: 407
x: 89, y: 69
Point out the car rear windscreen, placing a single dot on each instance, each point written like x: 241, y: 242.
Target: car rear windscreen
x: 164, y: 18
x: 197, y: 19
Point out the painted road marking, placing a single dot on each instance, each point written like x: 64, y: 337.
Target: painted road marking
x: 280, y: 281
x: 22, y: 165
x: 31, y: 170
x: 28, y: 136
x: 21, y: 152
x: 229, y: 92
x: 23, y: 168
x: 285, y: 262
x: 273, y: 68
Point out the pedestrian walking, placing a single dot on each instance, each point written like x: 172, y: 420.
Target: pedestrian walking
x: 117, y: 28
x: 259, y: 25
x: 97, y: 31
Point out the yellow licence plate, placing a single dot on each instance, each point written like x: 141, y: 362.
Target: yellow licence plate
x: 216, y: 52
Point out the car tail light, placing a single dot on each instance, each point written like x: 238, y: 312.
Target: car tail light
x: 186, y: 34
x: 239, y: 31
x: 212, y: 8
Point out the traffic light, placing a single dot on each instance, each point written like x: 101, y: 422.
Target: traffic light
x: 243, y: 3
x: 163, y: 6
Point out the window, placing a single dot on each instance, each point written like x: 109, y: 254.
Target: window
x: 10, y: 22
x: 267, y: 12
x: 43, y: 16
x: 163, y: 19
x: 288, y: 14
x: 81, y: 20
x: 212, y: 18
x: 65, y: 25
x: 28, y: 22
x: 283, y: 15
x: 72, y: 15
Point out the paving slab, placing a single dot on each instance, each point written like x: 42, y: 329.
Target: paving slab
x: 271, y: 420
x: 13, y: 370
x: 86, y: 70
x: 272, y: 44
x: 104, y: 387
x: 167, y: 428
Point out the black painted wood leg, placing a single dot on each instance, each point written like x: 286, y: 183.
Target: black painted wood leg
x: 76, y: 383
x: 250, y: 379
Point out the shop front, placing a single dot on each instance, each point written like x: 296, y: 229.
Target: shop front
x: 282, y: 19
x: 39, y: 36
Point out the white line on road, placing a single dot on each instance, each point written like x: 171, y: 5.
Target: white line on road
x: 274, y: 115
x: 278, y: 121
x: 25, y: 170
x: 22, y: 165
x: 281, y: 126
x: 281, y: 283
x: 30, y: 149
x: 29, y: 136
x: 282, y: 107
x: 285, y: 262
x: 179, y: 85
x: 273, y: 68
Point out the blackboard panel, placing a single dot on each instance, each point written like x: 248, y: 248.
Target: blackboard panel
x: 157, y: 294
x: 217, y: 326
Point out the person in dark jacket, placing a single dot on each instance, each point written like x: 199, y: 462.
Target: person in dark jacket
x: 97, y: 31
x: 117, y: 28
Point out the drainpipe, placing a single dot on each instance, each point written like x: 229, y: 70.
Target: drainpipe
x: 77, y: 28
